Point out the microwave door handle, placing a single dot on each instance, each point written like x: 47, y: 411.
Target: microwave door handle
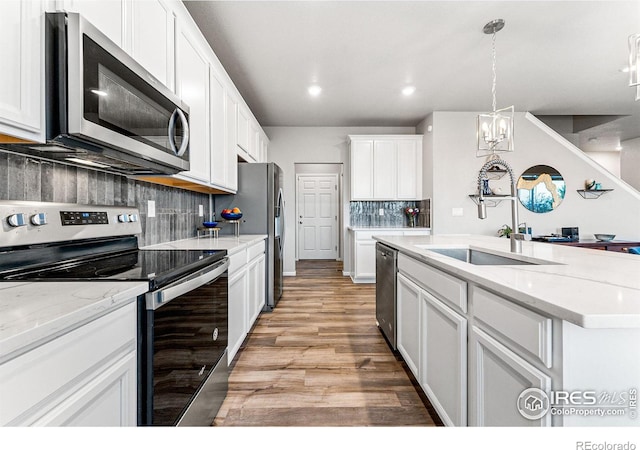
x: 172, y: 132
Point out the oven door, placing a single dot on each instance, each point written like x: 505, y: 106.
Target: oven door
x: 184, y: 373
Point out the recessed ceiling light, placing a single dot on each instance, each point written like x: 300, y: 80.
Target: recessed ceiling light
x: 618, y: 147
x: 314, y: 90
x: 409, y: 90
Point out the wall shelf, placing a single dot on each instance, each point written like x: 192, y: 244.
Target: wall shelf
x: 495, y: 174
x: 490, y: 200
x: 593, y: 193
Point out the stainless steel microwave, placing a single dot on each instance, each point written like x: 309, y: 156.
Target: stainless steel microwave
x: 103, y: 109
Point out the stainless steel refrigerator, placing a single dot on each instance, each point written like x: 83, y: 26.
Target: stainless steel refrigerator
x: 261, y: 201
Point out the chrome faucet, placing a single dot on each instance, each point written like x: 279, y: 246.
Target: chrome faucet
x: 516, y: 237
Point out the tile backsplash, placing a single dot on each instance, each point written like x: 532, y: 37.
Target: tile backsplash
x: 367, y: 213
x: 24, y: 178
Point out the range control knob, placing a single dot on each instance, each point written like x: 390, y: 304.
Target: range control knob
x: 39, y: 219
x: 122, y: 218
x: 16, y: 220
x: 133, y: 217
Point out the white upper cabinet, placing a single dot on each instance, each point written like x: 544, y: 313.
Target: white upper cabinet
x: 361, y: 169
x: 409, y: 169
x: 192, y: 86
x: 106, y: 15
x: 152, y: 39
x: 243, y: 130
x: 21, y: 53
x: 386, y: 167
x: 231, y: 139
x: 219, y: 152
x: 254, y: 142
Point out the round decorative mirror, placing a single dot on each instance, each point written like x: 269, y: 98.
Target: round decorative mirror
x: 541, y: 189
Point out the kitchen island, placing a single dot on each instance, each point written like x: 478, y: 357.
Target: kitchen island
x: 478, y: 336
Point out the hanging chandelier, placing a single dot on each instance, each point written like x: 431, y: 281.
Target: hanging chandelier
x: 494, y: 129
x: 634, y: 63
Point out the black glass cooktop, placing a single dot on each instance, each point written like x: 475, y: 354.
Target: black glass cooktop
x: 159, y: 267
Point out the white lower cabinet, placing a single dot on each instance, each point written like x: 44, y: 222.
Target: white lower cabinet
x: 363, y: 250
x: 237, y: 311
x: 247, y: 278
x: 443, y: 348
x: 497, y: 377
x: 86, y: 377
x: 256, y: 279
x: 408, y: 323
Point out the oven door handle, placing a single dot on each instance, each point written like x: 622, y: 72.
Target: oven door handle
x: 156, y: 299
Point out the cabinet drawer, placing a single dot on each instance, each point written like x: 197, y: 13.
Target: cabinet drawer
x: 255, y: 250
x: 237, y: 260
x: 521, y: 329
x: 447, y: 288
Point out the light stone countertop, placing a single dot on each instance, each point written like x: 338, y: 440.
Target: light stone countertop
x: 32, y: 313
x: 231, y: 244
x: 363, y: 228
x: 587, y: 287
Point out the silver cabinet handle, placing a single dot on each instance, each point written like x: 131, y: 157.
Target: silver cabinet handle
x: 185, y: 132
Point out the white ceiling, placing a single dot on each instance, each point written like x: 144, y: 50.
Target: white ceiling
x: 553, y: 58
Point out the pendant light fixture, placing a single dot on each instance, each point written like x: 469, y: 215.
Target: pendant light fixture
x: 494, y: 129
x: 634, y: 63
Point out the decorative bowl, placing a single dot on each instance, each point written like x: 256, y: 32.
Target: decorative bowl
x: 604, y: 237
x: 231, y: 216
x: 210, y: 224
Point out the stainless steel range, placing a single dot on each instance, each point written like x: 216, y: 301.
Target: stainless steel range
x: 182, y: 319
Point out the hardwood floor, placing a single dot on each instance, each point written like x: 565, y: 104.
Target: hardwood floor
x: 319, y: 360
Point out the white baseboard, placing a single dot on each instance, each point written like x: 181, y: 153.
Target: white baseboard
x: 289, y: 274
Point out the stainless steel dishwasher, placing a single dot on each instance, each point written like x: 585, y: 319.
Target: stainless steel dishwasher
x: 386, y: 268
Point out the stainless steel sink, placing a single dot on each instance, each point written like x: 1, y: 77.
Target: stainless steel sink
x: 480, y: 258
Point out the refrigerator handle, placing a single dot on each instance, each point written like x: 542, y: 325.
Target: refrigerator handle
x: 280, y: 220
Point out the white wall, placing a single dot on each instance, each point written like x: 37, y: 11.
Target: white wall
x: 455, y: 171
x: 291, y: 145
x: 608, y: 160
x: 630, y: 162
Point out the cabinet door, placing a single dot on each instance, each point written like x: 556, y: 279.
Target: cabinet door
x: 408, y: 323
x: 219, y: 164
x: 409, y: 170
x: 192, y: 86
x: 497, y: 377
x: 107, y: 15
x: 237, y: 311
x: 243, y: 129
x: 365, y: 255
x: 231, y: 140
x: 361, y: 170
x: 384, y: 169
x: 109, y: 400
x: 21, y: 37
x: 256, y: 281
x: 152, y: 39
x: 254, y: 142
x: 444, y: 360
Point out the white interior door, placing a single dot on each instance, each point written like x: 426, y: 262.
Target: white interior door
x: 317, y: 197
